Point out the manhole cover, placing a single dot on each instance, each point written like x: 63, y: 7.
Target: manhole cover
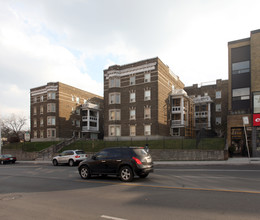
x: 10, y: 197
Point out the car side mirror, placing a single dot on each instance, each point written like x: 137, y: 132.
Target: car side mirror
x: 94, y: 157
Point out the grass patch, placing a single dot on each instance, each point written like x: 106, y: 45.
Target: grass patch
x: 178, y: 144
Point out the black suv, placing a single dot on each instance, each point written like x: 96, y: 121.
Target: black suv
x: 124, y: 162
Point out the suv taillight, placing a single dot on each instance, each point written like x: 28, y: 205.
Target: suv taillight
x: 137, y: 160
x: 77, y: 156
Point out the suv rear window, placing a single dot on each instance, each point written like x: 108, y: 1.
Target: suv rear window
x: 80, y: 152
x: 140, y: 152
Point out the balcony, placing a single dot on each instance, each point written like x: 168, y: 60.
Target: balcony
x: 90, y: 118
x: 90, y: 106
x: 203, y: 114
x: 89, y: 129
x: 177, y: 123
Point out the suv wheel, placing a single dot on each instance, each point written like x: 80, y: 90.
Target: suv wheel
x: 71, y: 163
x: 126, y: 174
x: 55, y: 162
x: 84, y: 172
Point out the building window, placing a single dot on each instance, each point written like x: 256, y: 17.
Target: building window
x: 77, y: 111
x: 132, y: 114
x: 51, y: 120
x: 241, y: 67
x: 132, y: 97
x: 147, y: 95
x: 218, y: 107
x: 41, y: 98
x: 35, y: 122
x: 35, y: 99
x: 72, y: 98
x: 132, y: 80
x: 35, y: 134
x: 218, y: 120
x: 41, y: 122
x: 51, y: 132
x: 114, y: 82
x: 132, y: 130
x: 147, y: 77
x: 147, y: 130
x: 34, y: 110
x: 114, y: 114
x: 241, y: 94
x: 77, y: 123
x: 147, y: 112
x: 41, y: 109
x: 41, y: 134
x: 114, y: 98
x: 51, y: 107
x: 114, y: 130
x: 218, y: 94
x: 51, y: 95
x: 77, y: 100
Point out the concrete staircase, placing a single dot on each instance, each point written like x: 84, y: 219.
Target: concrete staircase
x: 50, y: 152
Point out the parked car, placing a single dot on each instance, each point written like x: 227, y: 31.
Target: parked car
x: 7, y: 158
x: 70, y: 157
x: 125, y: 162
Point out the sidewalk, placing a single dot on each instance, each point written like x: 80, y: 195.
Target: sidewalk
x: 230, y: 161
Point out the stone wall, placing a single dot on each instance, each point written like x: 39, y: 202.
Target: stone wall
x: 21, y: 155
x: 186, y: 155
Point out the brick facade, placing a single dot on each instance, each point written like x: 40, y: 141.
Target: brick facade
x: 55, y: 111
x: 149, y: 82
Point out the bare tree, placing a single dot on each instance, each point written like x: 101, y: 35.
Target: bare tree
x: 12, y: 126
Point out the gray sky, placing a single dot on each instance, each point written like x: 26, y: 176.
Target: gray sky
x: 73, y: 41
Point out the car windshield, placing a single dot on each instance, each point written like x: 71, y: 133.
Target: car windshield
x: 80, y: 152
x: 7, y: 155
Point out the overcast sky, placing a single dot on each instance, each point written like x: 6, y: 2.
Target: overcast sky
x: 73, y: 41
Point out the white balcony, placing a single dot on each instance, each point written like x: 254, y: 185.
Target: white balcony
x: 178, y: 123
x: 203, y: 114
x: 90, y: 118
x: 89, y: 129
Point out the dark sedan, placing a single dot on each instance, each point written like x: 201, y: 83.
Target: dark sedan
x: 7, y: 158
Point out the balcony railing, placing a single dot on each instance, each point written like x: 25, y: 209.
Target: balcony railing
x: 203, y: 114
x: 177, y: 123
x: 90, y: 128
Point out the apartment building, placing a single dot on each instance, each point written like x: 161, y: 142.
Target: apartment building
x: 210, y: 110
x: 56, y: 112
x: 136, y: 100
x: 182, y: 114
x: 244, y: 94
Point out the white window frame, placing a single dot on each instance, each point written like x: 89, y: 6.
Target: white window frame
x: 132, y: 130
x: 41, y: 134
x: 132, y: 114
x: 147, y: 77
x: 51, y: 120
x: 51, y: 107
x: 35, y: 134
x: 114, y: 130
x: 218, y: 120
x: 218, y: 107
x: 132, y: 80
x: 147, y: 95
x: 147, y: 130
x: 218, y: 94
x: 51, y: 133
x: 41, y: 109
x: 147, y: 115
x: 51, y: 95
x: 114, y: 98
x: 35, y: 110
x: 114, y: 82
x: 114, y: 114
x: 35, y: 122
x: 132, y: 97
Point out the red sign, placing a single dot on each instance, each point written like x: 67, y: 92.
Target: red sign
x: 256, y: 119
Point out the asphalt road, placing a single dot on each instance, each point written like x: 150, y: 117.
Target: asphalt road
x: 29, y: 191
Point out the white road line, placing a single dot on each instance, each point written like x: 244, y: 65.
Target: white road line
x: 110, y: 217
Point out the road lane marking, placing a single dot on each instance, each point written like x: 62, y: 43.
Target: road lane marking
x: 172, y: 187
x: 110, y: 217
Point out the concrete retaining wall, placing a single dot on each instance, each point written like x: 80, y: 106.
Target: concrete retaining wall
x: 186, y: 155
x: 157, y: 155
